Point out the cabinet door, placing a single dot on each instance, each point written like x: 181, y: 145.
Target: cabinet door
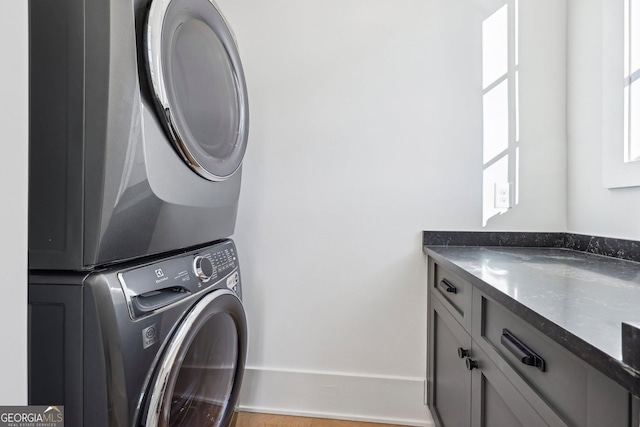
x: 495, y: 402
x: 449, y: 380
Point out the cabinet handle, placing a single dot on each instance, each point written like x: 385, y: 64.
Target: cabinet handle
x: 463, y: 352
x: 471, y: 364
x: 521, y: 351
x: 449, y: 287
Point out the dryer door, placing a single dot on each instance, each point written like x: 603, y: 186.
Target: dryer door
x: 198, y: 82
x: 197, y: 381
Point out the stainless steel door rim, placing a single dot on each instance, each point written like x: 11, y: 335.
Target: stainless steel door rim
x: 198, y: 83
x: 223, y: 310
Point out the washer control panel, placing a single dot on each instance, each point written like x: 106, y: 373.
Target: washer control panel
x: 156, y: 285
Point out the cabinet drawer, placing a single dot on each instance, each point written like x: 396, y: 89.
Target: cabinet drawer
x: 454, y: 291
x: 571, y: 387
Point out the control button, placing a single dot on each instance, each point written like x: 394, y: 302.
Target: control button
x: 203, y: 268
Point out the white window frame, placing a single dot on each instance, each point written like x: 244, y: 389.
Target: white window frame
x: 617, y: 171
x: 631, y: 76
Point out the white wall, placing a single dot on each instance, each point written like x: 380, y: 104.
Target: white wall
x: 366, y: 124
x: 592, y: 209
x: 13, y: 190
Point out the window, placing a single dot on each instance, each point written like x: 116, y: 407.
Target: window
x: 500, y: 115
x: 621, y: 93
x: 631, y: 83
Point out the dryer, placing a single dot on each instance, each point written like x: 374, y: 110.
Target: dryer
x: 138, y: 127
x: 161, y: 343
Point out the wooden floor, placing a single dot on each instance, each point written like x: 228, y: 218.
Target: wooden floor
x: 245, y: 419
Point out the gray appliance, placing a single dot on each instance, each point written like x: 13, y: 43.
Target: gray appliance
x: 156, y: 344
x: 138, y: 127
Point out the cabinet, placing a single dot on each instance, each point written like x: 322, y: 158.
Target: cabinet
x: 488, y: 367
x: 449, y: 380
x: 465, y: 387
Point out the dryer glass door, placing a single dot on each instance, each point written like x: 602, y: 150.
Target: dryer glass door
x: 198, y: 379
x: 198, y: 82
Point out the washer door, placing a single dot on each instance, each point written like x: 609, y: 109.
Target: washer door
x: 197, y: 381
x: 199, y: 87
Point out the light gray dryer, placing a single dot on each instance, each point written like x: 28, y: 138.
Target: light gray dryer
x: 158, y: 343
x: 138, y: 128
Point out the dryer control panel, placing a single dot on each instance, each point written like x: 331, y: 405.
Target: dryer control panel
x: 159, y: 284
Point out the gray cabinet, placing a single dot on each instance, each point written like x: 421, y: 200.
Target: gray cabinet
x: 466, y: 388
x: 579, y: 394
x: 488, y: 367
x: 449, y: 379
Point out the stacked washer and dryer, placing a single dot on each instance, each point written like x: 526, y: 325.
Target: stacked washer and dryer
x: 138, y: 128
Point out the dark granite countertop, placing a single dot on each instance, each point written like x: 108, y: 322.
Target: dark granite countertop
x: 578, y: 299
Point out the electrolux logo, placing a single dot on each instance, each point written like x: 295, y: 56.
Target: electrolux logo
x: 160, y: 275
x: 31, y: 416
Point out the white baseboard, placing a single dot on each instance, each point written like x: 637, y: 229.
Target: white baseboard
x: 382, y: 399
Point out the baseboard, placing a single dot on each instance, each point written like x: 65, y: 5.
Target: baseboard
x: 382, y: 399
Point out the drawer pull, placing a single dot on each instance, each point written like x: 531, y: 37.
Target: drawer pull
x: 449, y: 287
x: 463, y: 352
x: 521, y: 351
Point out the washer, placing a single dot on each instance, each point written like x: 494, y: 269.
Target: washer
x: 158, y: 344
x: 138, y: 127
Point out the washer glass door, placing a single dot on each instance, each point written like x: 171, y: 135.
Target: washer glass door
x: 198, y: 379
x: 198, y: 82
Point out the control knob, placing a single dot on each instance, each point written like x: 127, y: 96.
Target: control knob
x: 203, y: 268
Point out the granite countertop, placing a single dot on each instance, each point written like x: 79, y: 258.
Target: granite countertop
x: 578, y: 299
